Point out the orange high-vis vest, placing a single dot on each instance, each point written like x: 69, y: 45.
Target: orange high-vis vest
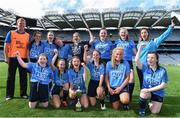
x: 19, y: 42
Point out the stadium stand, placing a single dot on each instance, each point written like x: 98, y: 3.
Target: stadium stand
x: 64, y: 25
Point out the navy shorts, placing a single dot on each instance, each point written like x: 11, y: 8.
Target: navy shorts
x: 156, y: 98
x: 56, y: 90
x: 93, y: 84
x: 115, y: 97
x: 38, y: 92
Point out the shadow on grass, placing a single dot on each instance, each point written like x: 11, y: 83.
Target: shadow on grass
x: 2, y: 87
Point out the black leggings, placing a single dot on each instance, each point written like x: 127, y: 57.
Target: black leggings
x: 140, y: 76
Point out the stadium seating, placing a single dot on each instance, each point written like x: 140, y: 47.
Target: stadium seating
x: 170, y: 47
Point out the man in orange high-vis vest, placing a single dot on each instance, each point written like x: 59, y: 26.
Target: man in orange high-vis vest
x: 16, y: 41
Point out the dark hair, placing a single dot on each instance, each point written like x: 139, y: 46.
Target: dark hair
x: 54, y: 36
x: 71, y: 65
x: 103, y: 28
x: 157, y: 57
x: 77, y: 33
x: 100, y: 61
x: 147, y: 32
x: 33, y: 40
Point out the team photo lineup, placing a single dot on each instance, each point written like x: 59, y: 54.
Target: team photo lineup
x: 58, y: 72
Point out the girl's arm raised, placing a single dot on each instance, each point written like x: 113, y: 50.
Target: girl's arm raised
x: 91, y: 36
x: 137, y: 60
x: 54, y: 59
x: 85, y: 54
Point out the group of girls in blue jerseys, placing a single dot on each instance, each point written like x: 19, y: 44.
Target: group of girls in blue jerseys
x: 110, y: 67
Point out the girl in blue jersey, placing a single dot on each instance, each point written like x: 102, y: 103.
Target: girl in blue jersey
x: 41, y: 74
x: 77, y: 76
x: 102, y: 44
x: 35, y: 47
x: 129, y: 50
x: 64, y: 50
x: 61, y: 81
x: 150, y: 45
x: 117, y: 78
x: 154, y: 81
x: 49, y: 46
x: 97, y: 70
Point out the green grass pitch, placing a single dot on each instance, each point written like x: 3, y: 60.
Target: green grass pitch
x: 19, y: 107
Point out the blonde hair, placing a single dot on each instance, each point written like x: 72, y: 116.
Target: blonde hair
x: 59, y: 60
x: 113, y: 55
x: 42, y: 55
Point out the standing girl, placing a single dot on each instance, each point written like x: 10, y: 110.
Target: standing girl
x: 49, y: 46
x: 102, y: 44
x: 77, y: 48
x: 129, y: 50
x: 35, y: 47
x: 64, y: 50
x: 150, y: 45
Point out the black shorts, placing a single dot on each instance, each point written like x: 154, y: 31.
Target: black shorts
x: 130, y: 64
x: 93, y: 84
x: 156, y: 98
x: 115, y: 97
x: 38, y: 92
x: 56, y: 90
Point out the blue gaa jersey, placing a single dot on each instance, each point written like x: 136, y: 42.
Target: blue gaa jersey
x: 60, y: 79
x: 152, y: 79
x: 76, y: 79
x: 64, y: 51
x: 96, y: 72
x: 36, y: 50
x: 153, y: 44
x: 118, y: 74
x: 49, y: 51
x: 104, y: 47
x: 128, y: 47
x: 40, y: 74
